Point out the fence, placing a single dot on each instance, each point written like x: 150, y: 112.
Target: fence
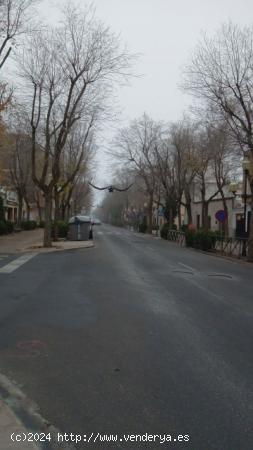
x: 176, y: 236
x: 236, y: 247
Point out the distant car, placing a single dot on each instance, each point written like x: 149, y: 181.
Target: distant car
x: 96, y: 222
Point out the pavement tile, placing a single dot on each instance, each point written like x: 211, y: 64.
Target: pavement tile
x: 31, y: 241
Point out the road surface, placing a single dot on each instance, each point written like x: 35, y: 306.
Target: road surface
x: 136, y: 336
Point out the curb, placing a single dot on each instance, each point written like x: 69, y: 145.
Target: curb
x: 59, y: 247
x: 26, y: 413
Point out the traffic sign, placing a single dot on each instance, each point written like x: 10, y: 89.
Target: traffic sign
x: 221, y: 216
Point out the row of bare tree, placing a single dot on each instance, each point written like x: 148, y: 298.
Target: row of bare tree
x: 166, y: 161
x: 219, y: 76
x: 66, y: 75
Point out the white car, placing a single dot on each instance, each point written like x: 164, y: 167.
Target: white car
x: 96, y: 221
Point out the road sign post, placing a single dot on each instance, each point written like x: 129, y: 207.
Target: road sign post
x: 221, y: 217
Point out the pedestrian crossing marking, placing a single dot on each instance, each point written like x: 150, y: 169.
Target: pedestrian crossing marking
x: 108, y: 233
x: 18, y: 262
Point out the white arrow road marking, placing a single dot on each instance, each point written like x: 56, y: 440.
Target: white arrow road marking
x: 17, y: 263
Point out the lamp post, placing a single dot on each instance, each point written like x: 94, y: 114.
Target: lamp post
x: 246, y: 165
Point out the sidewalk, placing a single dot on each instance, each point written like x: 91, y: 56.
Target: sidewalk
x: 10, y: 424
x: 31, y: 241
x: 16, y: 242
x: 20, y: 419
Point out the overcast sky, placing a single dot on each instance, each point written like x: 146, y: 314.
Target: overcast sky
x: 165, y: 33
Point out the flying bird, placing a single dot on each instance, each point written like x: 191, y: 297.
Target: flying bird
x: 111, y: 188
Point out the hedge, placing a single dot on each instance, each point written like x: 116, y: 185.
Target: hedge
x: 143, y: 226
x: 62, y: 228
x: 6, y: 227
x: 28, y: 225
x: 201, y: 239
x: 164, y: 231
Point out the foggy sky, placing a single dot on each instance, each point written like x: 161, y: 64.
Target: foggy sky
x: 165, y: 33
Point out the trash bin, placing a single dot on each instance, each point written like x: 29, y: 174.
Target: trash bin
x: 80, y: 228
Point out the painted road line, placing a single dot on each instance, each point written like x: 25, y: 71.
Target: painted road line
x: 17, y: 263
x: 4, y: 256
x: 187, y: 267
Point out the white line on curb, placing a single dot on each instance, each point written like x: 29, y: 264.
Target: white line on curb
x: 17, y: 263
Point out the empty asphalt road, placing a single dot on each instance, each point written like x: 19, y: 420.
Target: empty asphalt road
x: 133, y: 336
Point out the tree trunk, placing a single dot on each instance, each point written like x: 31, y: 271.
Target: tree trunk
x: 20, y: 207
x: 69, y: 211
x: 250, y: 247
x: 205, y: 224
x: 179, y: 216
x: 189, y: 212
x: 48, y: 219
x: 150, y: 214
x: 39, y: 210
x: 63, y: 210
x: 56, y: 213
x: 204, y: 212
x: 188, y: 206
x: 28, y: 209
x: 225, y: 207
x: 170, y: 221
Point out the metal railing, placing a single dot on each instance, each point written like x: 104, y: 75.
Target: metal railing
x: 236, y: 247
x: 176, y: 236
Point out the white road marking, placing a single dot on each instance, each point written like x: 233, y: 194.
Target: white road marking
x: 3, y: 256
x: 17, y: 263
x: 187, y: 267
x: 99, y: 232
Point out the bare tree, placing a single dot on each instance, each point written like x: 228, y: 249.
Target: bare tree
x: 204, y: 176
x: 221, y: 73
x: 68, y: 71
x: 224, y: 162
x: 122, y: 208
x: 15, y: 16
x: 80, y: 196
x: 165, y: 172
x: 20, y: 171
x: 183, y: 140
x: 15, y: 19
x: 136, y: 145
x: 77, y: 156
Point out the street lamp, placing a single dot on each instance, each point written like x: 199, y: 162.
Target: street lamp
x: 247, y: 166
x: 247, y: 170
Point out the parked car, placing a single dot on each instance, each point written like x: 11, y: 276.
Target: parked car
x: 96, y: 221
